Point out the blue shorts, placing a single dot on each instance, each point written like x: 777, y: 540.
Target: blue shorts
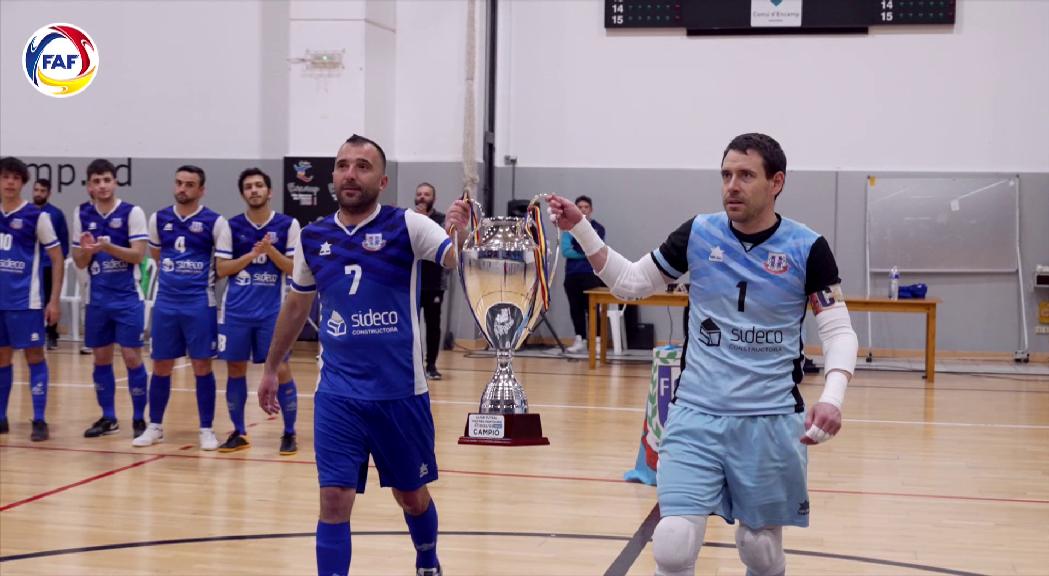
x: 746, y: 467
x: 21, y: 329
x: 178, y: 331
x: 104, y: 325
x: 240, y: 341
x: 398, y: 434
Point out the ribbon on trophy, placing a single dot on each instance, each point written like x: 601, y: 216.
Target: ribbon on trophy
x: 536, y: 213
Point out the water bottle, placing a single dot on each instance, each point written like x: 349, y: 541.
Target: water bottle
x: 894, y: 284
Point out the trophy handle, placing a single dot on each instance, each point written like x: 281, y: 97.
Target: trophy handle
x: 534, y: 225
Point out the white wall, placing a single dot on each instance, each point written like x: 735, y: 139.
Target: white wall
x: 431, y: 76
x: 176, y: 79
x: 972, y: 98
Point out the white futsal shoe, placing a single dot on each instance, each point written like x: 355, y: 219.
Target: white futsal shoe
x: 154, y: 434
x: 208, y: 441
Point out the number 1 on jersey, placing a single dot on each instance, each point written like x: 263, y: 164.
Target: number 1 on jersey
x: 741, y: 303
x: 355, y: 271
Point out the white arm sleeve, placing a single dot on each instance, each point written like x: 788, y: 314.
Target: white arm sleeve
x: 136, y: 225
x: 154, y: 236
x: 301, y: 275
x: 75, y: 240
x: 294, y: 229
x: 223, y: 240
x: 45, y: 231
x: 429, y: 240
x: 631, y: 280
x: 839, y: 351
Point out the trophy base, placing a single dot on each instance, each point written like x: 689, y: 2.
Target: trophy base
x: 504, y: 430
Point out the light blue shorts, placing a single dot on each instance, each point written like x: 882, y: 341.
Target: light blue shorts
x: 751, y: 468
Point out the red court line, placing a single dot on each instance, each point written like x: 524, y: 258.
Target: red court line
x: 544, y: 476
x: 80, y: 483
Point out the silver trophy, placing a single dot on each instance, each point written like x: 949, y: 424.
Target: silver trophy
x: 505, y: 270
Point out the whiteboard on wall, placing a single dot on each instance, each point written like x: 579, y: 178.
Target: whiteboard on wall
x: 934, y: 224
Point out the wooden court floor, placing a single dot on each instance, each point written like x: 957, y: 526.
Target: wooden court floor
x: 947, y: 480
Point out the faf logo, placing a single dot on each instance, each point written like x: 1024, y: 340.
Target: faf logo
x: 302, y: 171
x: 61, y: 60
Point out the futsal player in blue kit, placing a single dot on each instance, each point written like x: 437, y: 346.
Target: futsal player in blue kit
x: 737, y: 432
x: 182, y: 240
x: 256, y: 254
x: 364, y: 262
x: 26, y: 237
x: 109, y: 241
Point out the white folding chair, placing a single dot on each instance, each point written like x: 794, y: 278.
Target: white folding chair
x: 71, y: 295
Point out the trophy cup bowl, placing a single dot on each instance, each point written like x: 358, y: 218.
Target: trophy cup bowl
x: 501, y: 274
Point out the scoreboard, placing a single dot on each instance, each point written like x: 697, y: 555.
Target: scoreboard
x: 728, y: 17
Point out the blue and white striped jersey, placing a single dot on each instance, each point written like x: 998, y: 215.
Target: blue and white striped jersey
x: 255, y: 292
x: 747, y: 300
x: 187, y: 268
x: 112, y: 280
x: 368, y: 281
x: 25, y: 235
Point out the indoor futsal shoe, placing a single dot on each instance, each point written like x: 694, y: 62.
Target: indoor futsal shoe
x: 137, y: 428
x: 40, y: 432
x: 103, y: 426
x: 154, y: 433
x: 235, y: 442
x: 208, y: 441
x: 428, y: 571
x: 4, y: 426
x: 288, y: 445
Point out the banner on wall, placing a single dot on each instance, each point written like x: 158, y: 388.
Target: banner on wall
x: 309, y: 193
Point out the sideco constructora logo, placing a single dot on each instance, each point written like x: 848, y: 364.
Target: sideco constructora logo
x: 61, y: 60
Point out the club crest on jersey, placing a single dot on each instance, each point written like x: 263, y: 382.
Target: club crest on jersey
x: 116, y: 223
x: 272, y: 236
x: 168, y: 227
x: 373, y: 242
x: 16, y: 224
x: 325, y: 249
x: 716, y: 254
x: 196, y: 227
x: 776, y: 263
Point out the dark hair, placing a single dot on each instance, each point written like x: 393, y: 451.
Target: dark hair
x: 428, y: 185
x: 44, y: 182
x: 15, y: 166
x: 253, y: 172
x: 100, y: 166
x: 584, y: 198
x: 772, y: 155
x: 357, y: 140
x: 193, y: 170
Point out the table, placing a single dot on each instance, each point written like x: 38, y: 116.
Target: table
x: 602, y: 297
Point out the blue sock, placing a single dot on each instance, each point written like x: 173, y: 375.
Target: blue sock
x: 136, y: 385
x: 288, y: 396
x: 38, y: 387
x: 105, y: 390
x: 206, y: 399
x: 236, y: 399
x: 333, y: 549
x: 7, y: 379
x: 423, y: 529
x: 159, y: 393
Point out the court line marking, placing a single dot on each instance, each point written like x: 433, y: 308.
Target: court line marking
x: 531, y: 476
x: 630, y: 553
x: 43, y: 495
x: 642, y: 410
x: 553, y: 535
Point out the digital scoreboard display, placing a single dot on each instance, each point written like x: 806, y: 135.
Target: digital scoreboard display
x: 728, y: 17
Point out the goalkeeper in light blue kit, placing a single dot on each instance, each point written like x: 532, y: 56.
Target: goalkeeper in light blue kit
x: 737, y: 431
x: 255, y: 251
